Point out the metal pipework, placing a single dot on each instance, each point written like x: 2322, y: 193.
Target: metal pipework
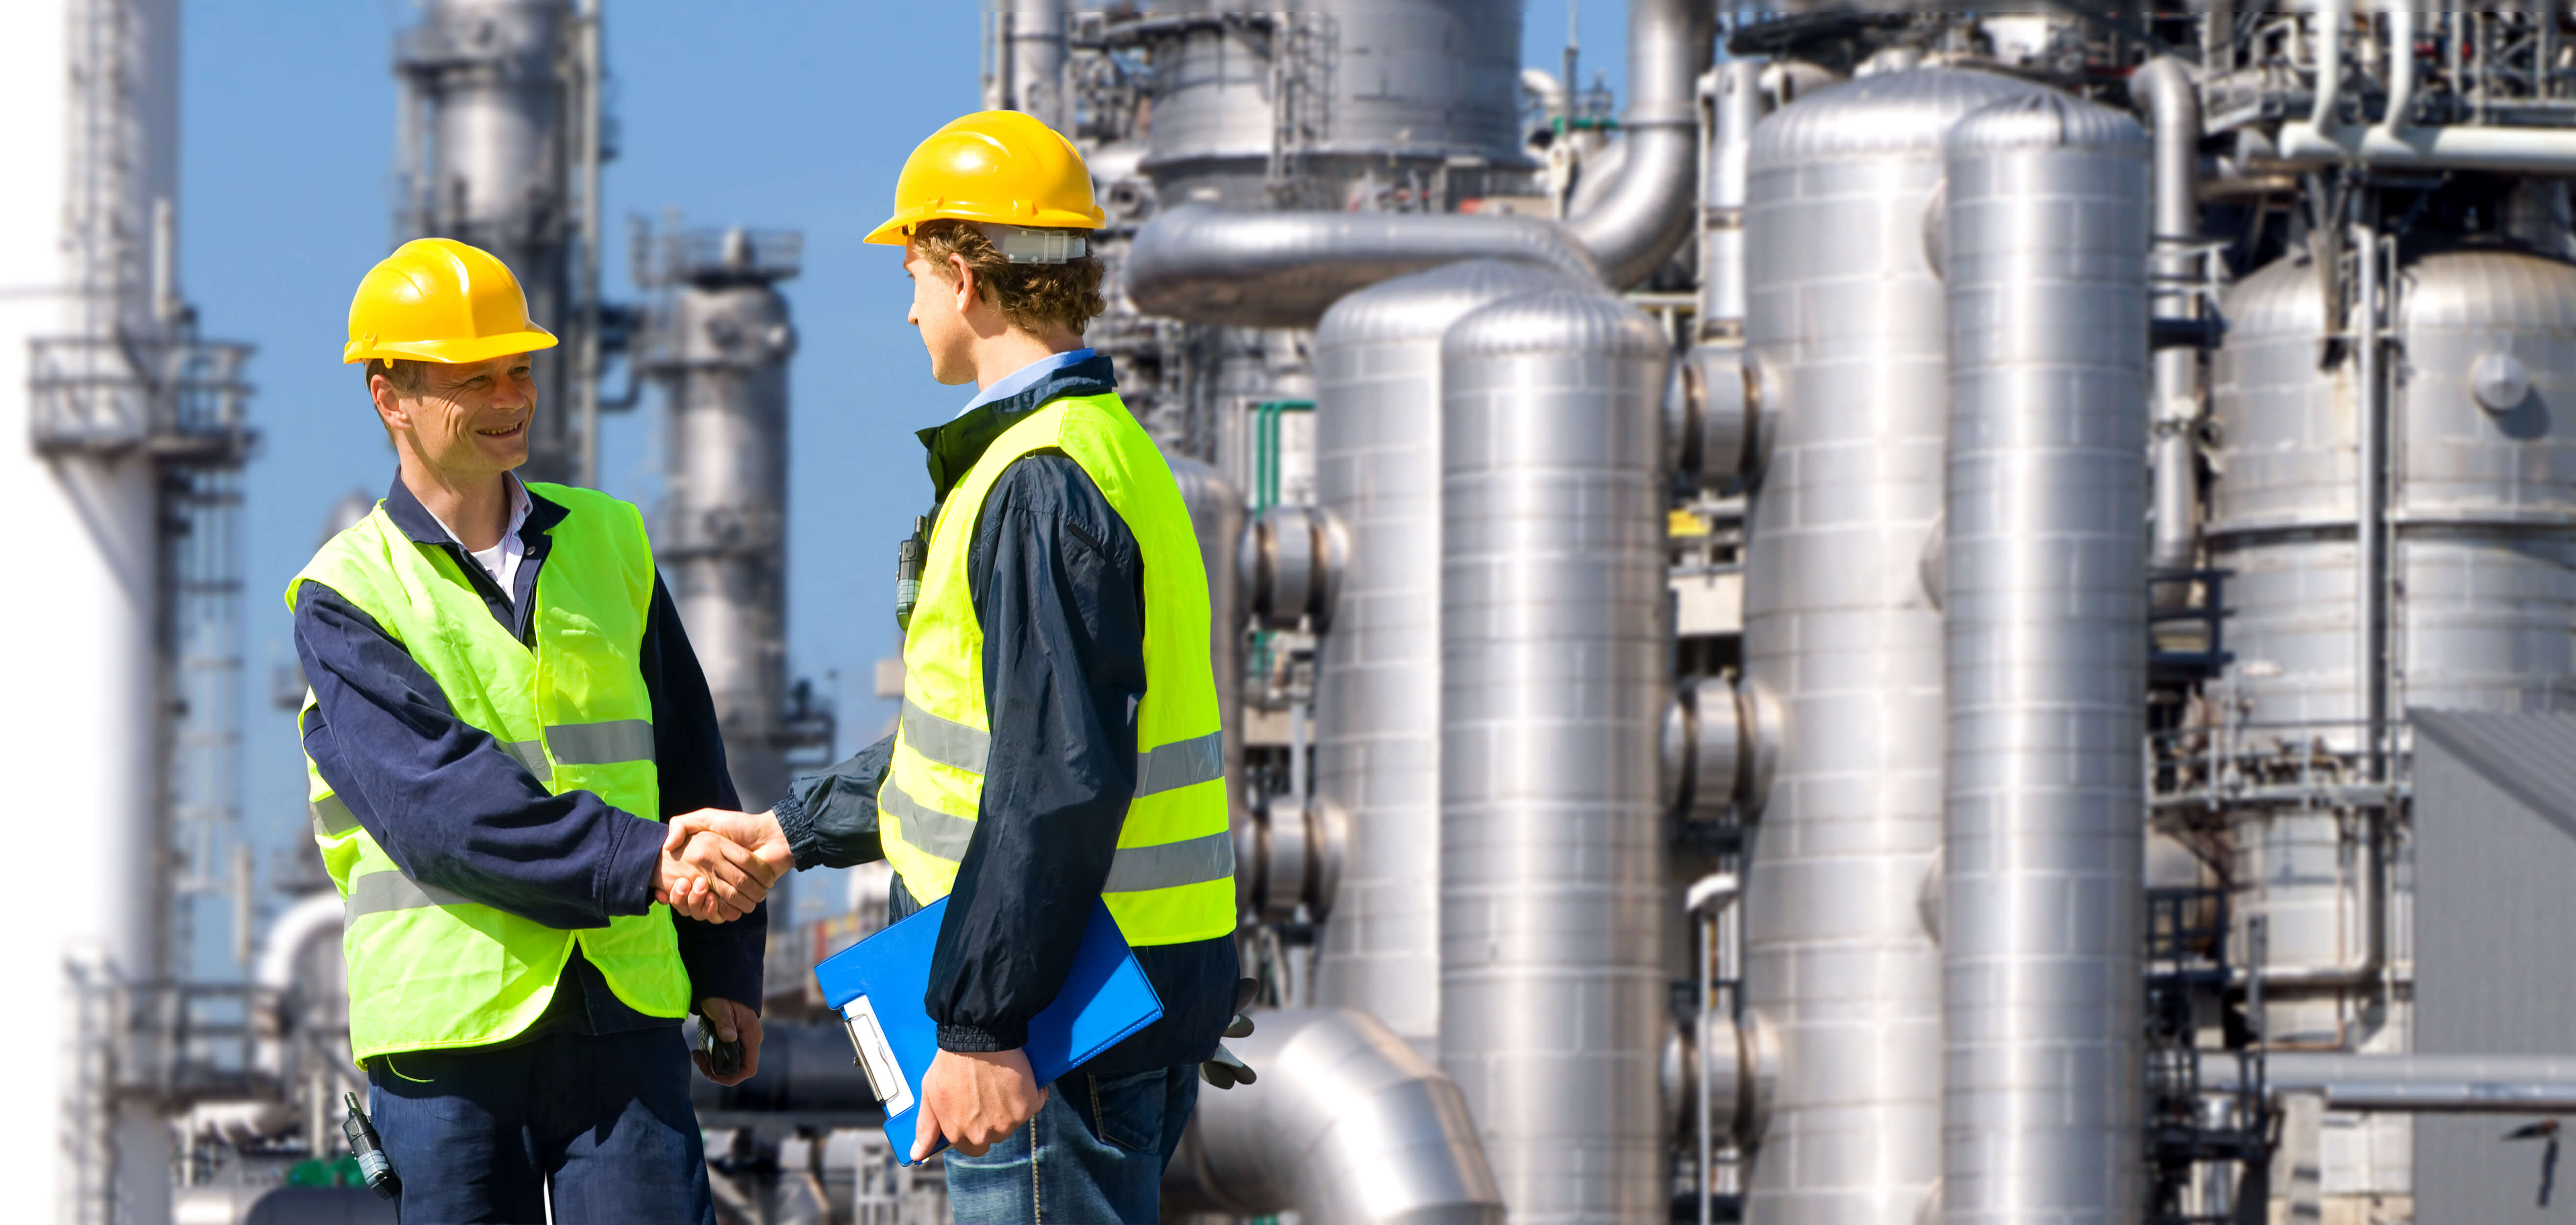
x: 2394, y: 141
x: 1552, y: 678
x: 2163, y: 86
x: 488, y: 160
x: 275, y: 977
x: 1735, y: 105
x: 1216, y: 518
x: 1644, y: 213
x: 1286, y: 269
x: 2370, y: 542
x: 1846, y: 323
x: 1031, y: 76
x: 2046, y: 663
x: 1377, y: 674
x: 1288, y: 565
x: 2414, y: 1084
x: 1348, y: 1125
x: 722, y: 352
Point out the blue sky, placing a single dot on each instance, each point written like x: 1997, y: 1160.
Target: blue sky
x: 786, y: 113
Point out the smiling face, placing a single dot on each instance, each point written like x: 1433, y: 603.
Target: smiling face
x: 940, y: 300
x: 467, y: 422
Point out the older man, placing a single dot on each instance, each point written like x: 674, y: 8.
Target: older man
x: 504, y: 707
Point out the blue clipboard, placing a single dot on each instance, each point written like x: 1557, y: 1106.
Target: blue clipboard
x: 877, y: 986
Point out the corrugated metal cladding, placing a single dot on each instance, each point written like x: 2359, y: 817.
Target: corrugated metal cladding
x: 2495, y: 942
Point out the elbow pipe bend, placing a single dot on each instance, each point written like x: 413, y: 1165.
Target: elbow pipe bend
x: 1284, y: 270
x: 1644, y: 213
x: 1348, y: 1125
x: 281, y: 951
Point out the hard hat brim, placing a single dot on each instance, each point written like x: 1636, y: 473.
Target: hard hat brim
x: 897, y: 229
x: 453, y: 352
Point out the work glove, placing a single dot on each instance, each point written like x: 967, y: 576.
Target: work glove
x: 1224, y: 1070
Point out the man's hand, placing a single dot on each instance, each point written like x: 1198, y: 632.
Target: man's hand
x: 974, y: 1100
x: 750, y: 843
x: 734, y: 1023
x: 706, y: 877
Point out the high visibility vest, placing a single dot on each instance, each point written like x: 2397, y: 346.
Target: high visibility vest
x: 427, y: 968
x: 1173, y: 878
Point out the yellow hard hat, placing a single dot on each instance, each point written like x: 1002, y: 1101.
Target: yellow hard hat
x: 439, y: 300
x: 996, y: 166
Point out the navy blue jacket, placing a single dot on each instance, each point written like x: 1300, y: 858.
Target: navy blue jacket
x: 1058, y: 585
x: 457, y: 813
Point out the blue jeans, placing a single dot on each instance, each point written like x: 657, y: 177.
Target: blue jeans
x: 1095, y: 1153
x: 476, y: 1134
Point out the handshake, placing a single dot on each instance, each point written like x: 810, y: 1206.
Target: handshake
x: 716, y: 865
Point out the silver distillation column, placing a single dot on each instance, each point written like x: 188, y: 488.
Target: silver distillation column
x: 2476, y: 527
x: 1377, y: 687
x: 720, y: 347
x: 1553, y: 681
x: 499, y: 149
x: 2045, y: 260
x: 1846, y: 326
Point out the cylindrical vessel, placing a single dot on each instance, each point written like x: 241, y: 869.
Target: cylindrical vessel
x: 1032, y: 73
x: 1216, y: 517
x: 1553, y: 676
x: 2044, y: 589
x: 499, y: 177
x: 1845, y: 323
x: 2482, y: 501
x: 1377, y: 677
x: 722, y: 544
x: 2481, y: 512
x: 1390, y: 89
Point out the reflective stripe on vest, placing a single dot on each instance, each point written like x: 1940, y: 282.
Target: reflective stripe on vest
x: 1171, y: 880
x: 429, y: 969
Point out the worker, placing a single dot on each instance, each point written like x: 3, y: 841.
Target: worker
x: 503, y: 707
x: 1059, y: 739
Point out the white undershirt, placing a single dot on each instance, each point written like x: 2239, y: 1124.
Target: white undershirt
x: 501, y: 561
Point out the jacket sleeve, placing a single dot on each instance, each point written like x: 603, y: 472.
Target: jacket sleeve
x: 724, y: 960
x: 1056, y: 579
x: 831, y: 818
x: 452, y: 810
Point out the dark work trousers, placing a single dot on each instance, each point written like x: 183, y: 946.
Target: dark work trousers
x: 1094, y: 1155
x: 478, y: 1134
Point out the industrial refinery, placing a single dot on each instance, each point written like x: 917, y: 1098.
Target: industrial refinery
x: 1912, y: 616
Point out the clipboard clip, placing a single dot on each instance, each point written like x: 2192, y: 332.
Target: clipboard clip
x: 876, y: 1056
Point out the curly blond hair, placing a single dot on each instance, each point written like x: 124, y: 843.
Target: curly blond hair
x: 1032, y: 296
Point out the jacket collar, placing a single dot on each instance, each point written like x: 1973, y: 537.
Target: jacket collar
x: 422, y: 527
x: 956, y: 446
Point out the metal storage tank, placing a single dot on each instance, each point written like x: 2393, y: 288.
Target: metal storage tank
x: 2482, y: 500
x: 1846, y: 326
x: 1553, y: 680
x: 1377, y: 685
x: 1392, y: 88
x: 2481, y: 515
x: 1216, y: 518
x: 2045, y: 595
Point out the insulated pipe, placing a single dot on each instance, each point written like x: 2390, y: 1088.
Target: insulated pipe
x: 1348, y: 1125
x: 2164, y: 87
x: 1284, y: 269
x: 1645, y: 211
x: 281, y: 951
x: 2370, y: 552
x: 2045, y: 660
x: 1735, y: 107
x: 1553, y: 674
x: 2418, y: 1084
x: 2394, y: 142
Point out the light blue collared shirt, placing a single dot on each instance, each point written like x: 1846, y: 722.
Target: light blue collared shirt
x: 1024, y: 378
